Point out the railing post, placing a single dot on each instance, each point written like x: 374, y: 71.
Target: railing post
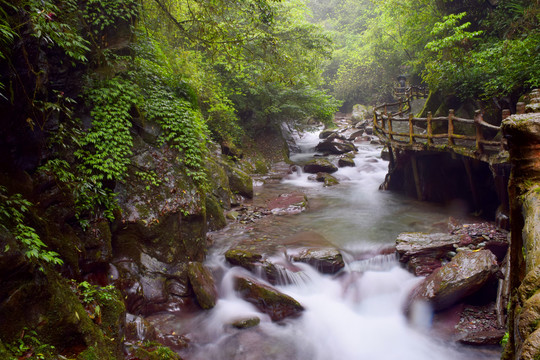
x: 429, y: 129
x: 504, y: 143
x: 520, y: 108
x: 451, y: 127
x: 390, y: 127
x: 411, y: 129
x: 479, y: 137
x: 505, y: 113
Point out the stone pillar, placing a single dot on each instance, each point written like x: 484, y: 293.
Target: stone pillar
x: 523, y: 134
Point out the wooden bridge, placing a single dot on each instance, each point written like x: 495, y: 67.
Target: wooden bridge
x: 400, y: 130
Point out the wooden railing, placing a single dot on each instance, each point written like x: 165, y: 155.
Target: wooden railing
x: 411, y: 92
x: 397, y: 128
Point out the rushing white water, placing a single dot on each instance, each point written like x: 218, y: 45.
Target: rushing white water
x: 356, y: 315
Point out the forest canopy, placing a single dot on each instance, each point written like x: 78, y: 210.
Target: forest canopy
x: 471, y: 49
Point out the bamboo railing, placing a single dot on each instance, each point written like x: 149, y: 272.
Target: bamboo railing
x: 420, y: 130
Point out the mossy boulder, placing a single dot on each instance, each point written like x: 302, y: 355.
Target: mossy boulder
x: 268, y: 299
x: 346, y: 161
x: 246, y: 322
x: 215, y: 216
x: 327, y: 260
x: 254, y: 261
x: 240, y: 182
x: 326, y: 178
x: 529, y: 317
x: 53, y: 310
x: 203, y: 285
x: 320, y: 165
x: 335, y: 147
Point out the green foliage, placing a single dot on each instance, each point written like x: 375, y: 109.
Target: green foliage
x: 183, y: 128
x: 89, y: 293
x: 47, y: 26
x: 13, y: 211
x: 29, y: 346
x: 504, y: 339
x: 103, y: 14
x: 106, y: 146
x: 471, y: 67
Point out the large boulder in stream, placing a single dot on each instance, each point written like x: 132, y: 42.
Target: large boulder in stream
x: 203, y: 285
x: 335, y: 147
x: 464, y: 275
x: 327, y: 260
x: 268, y: 299
x: 423, y: 253
x: 254, y: 262
x: 320, y: 165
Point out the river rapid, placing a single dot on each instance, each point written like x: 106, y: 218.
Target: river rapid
x: 355, y: 316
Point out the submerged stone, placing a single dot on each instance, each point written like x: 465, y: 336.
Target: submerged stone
x: 320, y: 165
x: 327, y: 179
x: 268, y: 299
x: 246, y: 323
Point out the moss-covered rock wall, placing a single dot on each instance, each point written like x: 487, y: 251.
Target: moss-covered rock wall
x: 523, y: 134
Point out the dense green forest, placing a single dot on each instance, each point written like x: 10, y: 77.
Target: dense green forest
x: 79, y: 78
x: 471, y: 49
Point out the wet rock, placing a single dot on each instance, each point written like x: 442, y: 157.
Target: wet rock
x: 326, y: 133
x: 385, y: 154
x: 478, y: 325
x: 346, y: 161
x: 530, y: 350
x: 529, y: 318
x: 254, y: 262
x: 421, y: 246
x: 320, y: 165
x: 335, y: 147
x: 268, y: 299
x: 464, y: 275
x: 326, y: 178
x: 423, y: 265
x: 203, y: 285
x: 246, y: 322
x: 240, y: 182
x: 325, y: 259
x: 139, y: 329
x: 243, y: 258
x: 530, y: 285
x: 369, y: 130
x: 355, y: 134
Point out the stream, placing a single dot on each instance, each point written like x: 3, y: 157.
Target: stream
x: 358, y: 316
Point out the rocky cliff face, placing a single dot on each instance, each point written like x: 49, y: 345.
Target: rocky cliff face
x: 136, y: 262
x: 523, y: 134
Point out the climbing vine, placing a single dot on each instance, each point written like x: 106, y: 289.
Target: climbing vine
x: 183, y: 128
x: 13, y: 209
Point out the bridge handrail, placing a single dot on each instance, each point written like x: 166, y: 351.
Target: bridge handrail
x: 382, y: 123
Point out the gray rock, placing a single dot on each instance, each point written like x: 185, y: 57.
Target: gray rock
x: 327, y: 260
x: 268, y: 299
x: 415, y: 244
x: 203, y: 285
x: 464, y: 275
x: 320, y: 165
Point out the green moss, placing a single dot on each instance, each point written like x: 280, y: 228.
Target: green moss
x: 214, y: 214
x: 261, y: 167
